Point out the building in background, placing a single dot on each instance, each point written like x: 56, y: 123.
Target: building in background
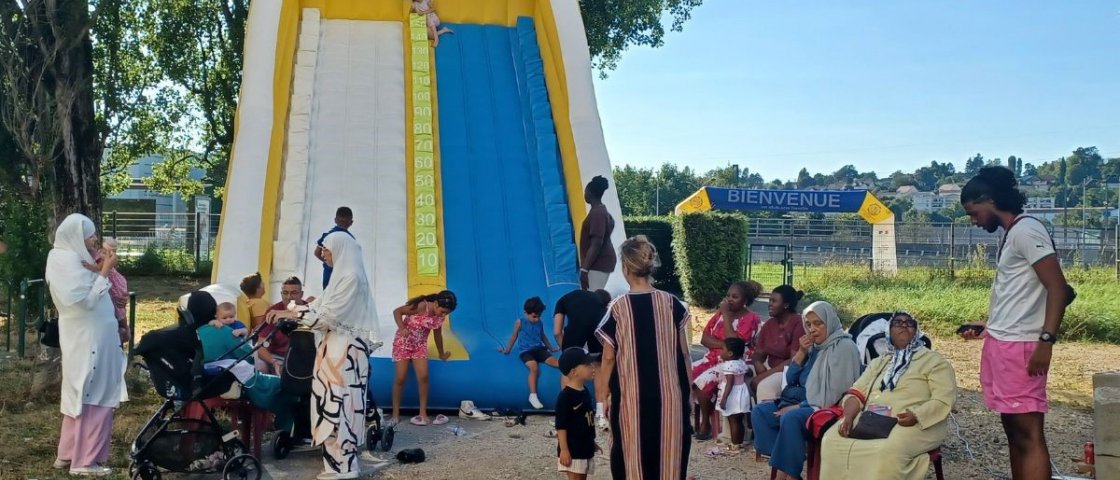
x: 141, y: 217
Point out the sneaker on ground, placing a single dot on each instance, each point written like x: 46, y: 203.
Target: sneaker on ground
x: 337, y: 476
x: 467, y: 409
x: 91, y: 471
x: 535, y: 402
x: 60, y: 464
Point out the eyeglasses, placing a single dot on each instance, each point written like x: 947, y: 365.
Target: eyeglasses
x: 904, y: 323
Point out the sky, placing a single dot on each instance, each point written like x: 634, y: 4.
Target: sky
x: 882, y: 85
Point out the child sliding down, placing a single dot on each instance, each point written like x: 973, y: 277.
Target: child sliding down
x: 427, y: 8
x: 532, y: 344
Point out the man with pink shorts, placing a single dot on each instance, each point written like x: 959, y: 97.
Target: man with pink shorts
x: 1029, y: 299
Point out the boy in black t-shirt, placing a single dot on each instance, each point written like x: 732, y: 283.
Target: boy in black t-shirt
x: 575, y: 415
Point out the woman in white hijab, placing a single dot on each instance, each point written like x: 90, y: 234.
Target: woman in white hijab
x: 347, y: 315
x: 92, y: 361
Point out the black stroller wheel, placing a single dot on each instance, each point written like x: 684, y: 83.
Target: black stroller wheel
x: 282, y: 445
x: 143, y: 471
x: 387, y: 438
x: 242, y: 467
x: 373, y: 437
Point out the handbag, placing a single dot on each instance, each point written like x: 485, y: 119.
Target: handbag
x: 48, y: 330
x: 872, y: 426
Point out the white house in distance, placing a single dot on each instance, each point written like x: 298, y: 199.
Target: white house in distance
x: 946, y: 196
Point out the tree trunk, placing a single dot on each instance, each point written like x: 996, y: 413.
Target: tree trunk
x: 77, y: 167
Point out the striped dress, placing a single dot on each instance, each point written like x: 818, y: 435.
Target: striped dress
x: 650, y: 431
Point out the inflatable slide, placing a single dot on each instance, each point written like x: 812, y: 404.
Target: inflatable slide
x: 464, y: 166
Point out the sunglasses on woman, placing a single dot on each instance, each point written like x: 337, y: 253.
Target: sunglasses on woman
x: 904, y: 323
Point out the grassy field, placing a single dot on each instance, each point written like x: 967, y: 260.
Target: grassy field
x: 29, y: 430
x: 942, y: 303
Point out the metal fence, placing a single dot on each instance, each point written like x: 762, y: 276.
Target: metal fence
x: 783, y: 247
x: 136, y: 233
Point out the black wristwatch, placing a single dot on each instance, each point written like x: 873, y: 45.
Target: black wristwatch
x: 1048, y: 338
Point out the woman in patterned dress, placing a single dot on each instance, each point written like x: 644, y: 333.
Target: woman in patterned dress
x: 646, y: 371
x: 346, y: 315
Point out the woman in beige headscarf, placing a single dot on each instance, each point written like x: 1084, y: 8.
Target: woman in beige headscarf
x: 92, y: 360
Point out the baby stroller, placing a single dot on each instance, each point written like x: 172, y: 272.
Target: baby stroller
x: 176, y: 442
x: 870, y: 334
x: 295, y: 380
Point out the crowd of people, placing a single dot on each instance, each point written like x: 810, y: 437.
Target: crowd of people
x: 777, y: 378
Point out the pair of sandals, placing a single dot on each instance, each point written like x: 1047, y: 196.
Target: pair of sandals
x: 423, y: 422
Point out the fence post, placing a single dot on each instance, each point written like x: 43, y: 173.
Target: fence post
x: 21, y: 325
x: 131, y: 323
x: 113, y: 220
x: 197, y: 240
x: 8, y: 323
x: 953, y: 250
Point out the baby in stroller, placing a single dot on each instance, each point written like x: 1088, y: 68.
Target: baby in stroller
x: 189, y: 363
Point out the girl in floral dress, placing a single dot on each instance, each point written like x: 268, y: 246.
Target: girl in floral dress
x: 415, y: 320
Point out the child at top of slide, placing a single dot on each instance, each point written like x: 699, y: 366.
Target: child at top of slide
x: 532, y: 344
x: 427, y: 8
x: 417, y: 319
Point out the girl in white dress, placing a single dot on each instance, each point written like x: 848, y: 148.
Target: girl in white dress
x: 735, y: 398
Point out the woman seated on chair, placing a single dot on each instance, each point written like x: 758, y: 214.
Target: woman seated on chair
x: 820, y: 372
x: 912, y: 384
x: 734, y: 319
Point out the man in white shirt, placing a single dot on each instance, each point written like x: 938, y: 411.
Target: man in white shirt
x: 1029, y: 298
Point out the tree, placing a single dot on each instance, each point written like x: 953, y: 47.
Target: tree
x: 633, y: 186
x: 1030, y: 170
x: 804, y: 179
x: 169, y: 74
x: 46, y: 63
x: 973, y: 165
x: 614, y: 26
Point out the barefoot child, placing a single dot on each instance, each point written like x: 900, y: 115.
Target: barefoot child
x: 734, y: 398
x: 575, y: 427
x: 427, y: 8
x: 415, y: 320
x: 533, y: 345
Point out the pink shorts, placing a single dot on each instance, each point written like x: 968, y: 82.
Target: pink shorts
x: 1008, y: 388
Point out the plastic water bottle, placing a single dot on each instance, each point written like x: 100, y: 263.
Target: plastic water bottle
x: 457, y: 430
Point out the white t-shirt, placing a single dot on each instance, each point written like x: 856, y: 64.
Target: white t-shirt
x: 1017, y: 309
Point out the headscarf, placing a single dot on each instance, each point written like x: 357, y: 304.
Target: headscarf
x: 900, y: 359
x: 836, y: 367
x: 347, y: 301
x: 203, y: 307
x: 70, y: 282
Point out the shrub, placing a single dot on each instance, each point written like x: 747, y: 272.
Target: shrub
x: 710, y: 250
x: 25, y: 233
x: 660, y: 232
x: 160, y: 261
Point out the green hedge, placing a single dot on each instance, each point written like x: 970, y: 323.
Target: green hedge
x: 710, y: 250
x: 660, y: 232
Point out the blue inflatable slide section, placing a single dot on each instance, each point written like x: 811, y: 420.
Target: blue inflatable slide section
x: 507, y: 226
